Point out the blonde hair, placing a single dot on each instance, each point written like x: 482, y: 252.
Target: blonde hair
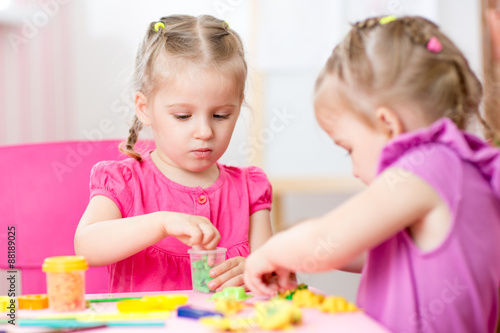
x: 390, y: 64
x: 183, y: 40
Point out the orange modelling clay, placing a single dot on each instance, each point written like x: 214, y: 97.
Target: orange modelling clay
x: 33, y: 302
x: 66, y: 282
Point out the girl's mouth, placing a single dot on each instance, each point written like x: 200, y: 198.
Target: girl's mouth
x: 202, y: 153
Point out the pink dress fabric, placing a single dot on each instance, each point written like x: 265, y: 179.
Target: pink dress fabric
x: 139, y: 188
x: 454, y: 287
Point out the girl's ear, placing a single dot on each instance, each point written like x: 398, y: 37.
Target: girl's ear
x: 141, y: 108
x: 389, y: 121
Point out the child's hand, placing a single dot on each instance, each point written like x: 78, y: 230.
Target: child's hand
x: 195, y: 231
x: 229, y: 273
x: 263, y: 277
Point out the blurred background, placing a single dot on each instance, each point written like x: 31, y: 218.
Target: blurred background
x: 65, y: 68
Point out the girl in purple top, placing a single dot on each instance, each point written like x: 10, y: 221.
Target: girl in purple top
x: 147, y: 210
x: 396, y: 94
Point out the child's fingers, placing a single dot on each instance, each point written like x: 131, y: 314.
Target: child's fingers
x: 224, y: 267
x: 196, y: 235
x: 211, y: 235
x: 265, y: 288
x: 235, y: 281
x: 254, y: 282
x: 231, y: 269
x: 259, y: 274
x: 286, y: 281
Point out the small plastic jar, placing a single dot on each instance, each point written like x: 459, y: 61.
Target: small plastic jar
x: 202, y: 261
x: 66, y: 282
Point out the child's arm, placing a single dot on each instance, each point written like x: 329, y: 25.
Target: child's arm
x: 355, y: 265
x: 230, y: 273
x: 333, y: 240
x: 260, y: 228
x: 104, y: 237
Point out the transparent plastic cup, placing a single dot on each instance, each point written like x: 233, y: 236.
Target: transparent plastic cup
x: 65, y: 282
x: 202, y: 261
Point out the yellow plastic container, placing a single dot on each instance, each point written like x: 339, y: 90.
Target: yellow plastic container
x: 66, y: 282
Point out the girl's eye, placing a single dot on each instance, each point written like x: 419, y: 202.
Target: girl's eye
x: 182, y: 116
x: 221, y: 116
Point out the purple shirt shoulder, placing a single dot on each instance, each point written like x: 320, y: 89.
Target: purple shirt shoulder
x: 454, y: 287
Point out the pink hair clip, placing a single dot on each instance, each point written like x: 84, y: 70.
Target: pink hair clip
x: 434, y: 45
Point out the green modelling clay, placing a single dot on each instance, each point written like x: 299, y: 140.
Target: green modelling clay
x: 237, y: 293
x: 201, y: 276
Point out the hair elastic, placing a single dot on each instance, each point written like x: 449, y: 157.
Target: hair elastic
x: 159, y: 25
x: 434, y: 45
x: 225, y: 25
x: 387, y: 19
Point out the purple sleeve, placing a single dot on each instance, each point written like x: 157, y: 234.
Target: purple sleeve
x: 438, y: 166
x: 259, y: 190
x: 112, y: 179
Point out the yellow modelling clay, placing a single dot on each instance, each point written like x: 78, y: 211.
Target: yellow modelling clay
x: 4, y: 303
x: 228, y: 324
x: 228, y: 306
x: 331, y: 304
x: 335, y: 304
x: 152, y: 303
x: 277, y: 314
x: 307, y: 299
x: 289, y: 293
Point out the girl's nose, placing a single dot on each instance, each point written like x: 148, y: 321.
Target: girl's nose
x: 204, y: 131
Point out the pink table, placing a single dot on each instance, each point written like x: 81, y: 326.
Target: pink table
x: 312, y: 320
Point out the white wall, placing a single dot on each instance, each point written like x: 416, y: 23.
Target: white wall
x: 294, y: 40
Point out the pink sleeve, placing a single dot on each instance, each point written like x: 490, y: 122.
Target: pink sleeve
x: 259, y: 190
x: 112, y: 179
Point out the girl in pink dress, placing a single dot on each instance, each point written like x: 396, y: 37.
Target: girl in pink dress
x: 397, y: 94
x: 146, y: 211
